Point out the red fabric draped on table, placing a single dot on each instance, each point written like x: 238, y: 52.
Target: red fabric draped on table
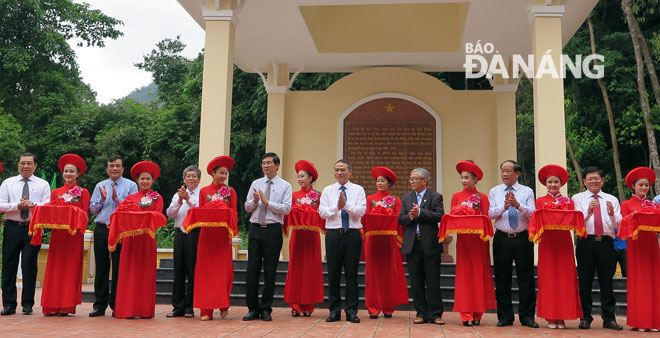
x: 558, y: 296
x: 214, y: 269
x: 474, y: 289
x: 304, y: 280
x: 62, y: 289
x: 386, y: 285
x: 640, y: 226
x: 135, y: 227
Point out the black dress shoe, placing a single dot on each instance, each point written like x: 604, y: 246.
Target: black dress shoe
x: 27, y: 310
x: 503, y: 323
x: 62, y: 314
x: 251, y: 315
x: 265, y: 316
x: 7, y: 311
x: 333, y: 317
x: 307, y: 314
x: 584, y: 324
x: 50, y: 314
x: 467, y: 323
x: 174, y: 313
x: 373, y: 316
x: 476, y: 322
x: 189, y: 314
x: 353, y: 318
x: 97, y: 313
x: 612, y: 325
x: 387, y: 315
x: 295, y: 313
x: 530, y: 323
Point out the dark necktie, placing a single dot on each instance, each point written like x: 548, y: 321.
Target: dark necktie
x: 344, y: 214
x: 598, y: 219
x: 263, y: 208
x: 513, y: 213
x: 26, y: 193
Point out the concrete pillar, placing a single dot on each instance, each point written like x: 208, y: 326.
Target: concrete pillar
x: 549, y: 122
x: 215, y: 124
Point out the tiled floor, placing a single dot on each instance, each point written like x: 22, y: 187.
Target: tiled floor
x: 283, y: 325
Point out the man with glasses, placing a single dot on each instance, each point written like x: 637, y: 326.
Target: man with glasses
x: 269, y: 200
x: 512, y: 205
x: 18, y: 197
x: 185, y: 245
x: 421, y: 211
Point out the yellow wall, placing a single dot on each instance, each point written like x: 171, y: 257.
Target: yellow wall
x: 468, y: 122
x: 312, y: 122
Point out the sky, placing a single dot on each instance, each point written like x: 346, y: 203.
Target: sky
x: 110, y: 71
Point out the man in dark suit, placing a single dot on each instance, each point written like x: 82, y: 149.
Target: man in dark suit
x: 421, y: 210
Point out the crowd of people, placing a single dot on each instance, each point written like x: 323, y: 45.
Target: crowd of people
x: 203, y: 266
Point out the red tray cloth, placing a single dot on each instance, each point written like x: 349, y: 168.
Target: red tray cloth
x: 212, y: 217
x: 133, y: 223
x: 382, y: 225
x: 56, y: 215
x: 555, y: 219
x: 465, y: 224
x: 303, y: 218
x: 633, y: 223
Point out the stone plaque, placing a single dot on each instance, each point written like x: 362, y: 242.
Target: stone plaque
x: 390, y: 132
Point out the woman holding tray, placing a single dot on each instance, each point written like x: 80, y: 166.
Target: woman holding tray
x: 385, y: 277
x: 304, y: 280
x: 136, y: 288
x: 474, y: 289
x: 558, y: 297
x: 214, y: 271
x: 62, y: 289
x: 643, y: 256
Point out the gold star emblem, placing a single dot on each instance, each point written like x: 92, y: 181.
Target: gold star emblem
x: 389, y: 108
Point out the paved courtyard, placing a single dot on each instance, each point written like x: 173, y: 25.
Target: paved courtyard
x: 283, y: 325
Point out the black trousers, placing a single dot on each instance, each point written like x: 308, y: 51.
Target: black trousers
x: 104, y: 292
x: 185, y: 257
x: 264, y: 246
x: 506, y: 250
x: 424, y: 274
x: 596, y: 256
x: 343, y: 250
x: 15, y: 244
x: 620, y: 256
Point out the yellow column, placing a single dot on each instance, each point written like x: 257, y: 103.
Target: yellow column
x: 549, y: 122
x: 215, y: 124
x: 277, y: 87
x: 505, y: 107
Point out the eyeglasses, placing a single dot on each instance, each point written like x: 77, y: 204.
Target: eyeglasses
x: 415, y: 179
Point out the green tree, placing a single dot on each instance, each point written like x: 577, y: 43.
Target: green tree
x: 40, y: 77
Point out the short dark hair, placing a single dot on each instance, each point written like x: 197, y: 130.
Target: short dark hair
x: 34, y: 157
x: 114, y: 158
x: 346, y: 162
x: 276, y: 159
x: 593, y: 169
x: 516, y: 166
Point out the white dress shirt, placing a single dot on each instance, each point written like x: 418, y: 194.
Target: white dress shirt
x: 610, y: 223
x: 279, y: 201
x: 524, y: 196
x: 356, y: 205
x: 11, y: 192
x: 178, y: 211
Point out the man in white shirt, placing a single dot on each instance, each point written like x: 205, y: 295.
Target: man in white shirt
x: 512, y: 205
x: 602, y: 215
x: 18, y: 197
x: 342, y: 206
x: 185, y: 245
x: 269, y: 200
